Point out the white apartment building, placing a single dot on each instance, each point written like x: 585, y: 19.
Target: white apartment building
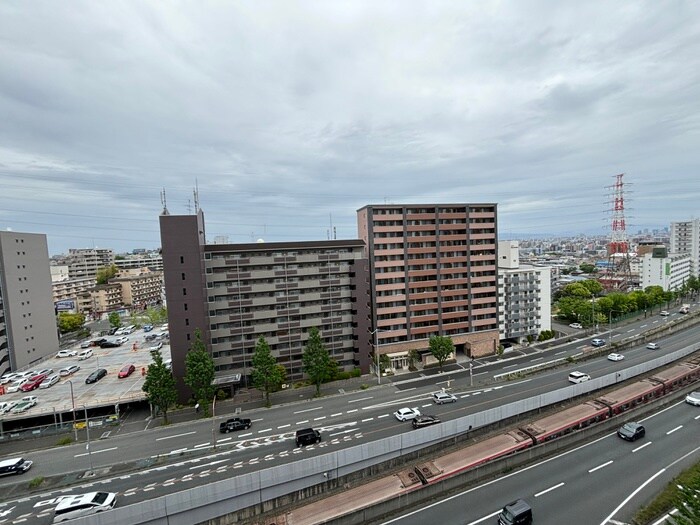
x: 524, y: 295
x: 668, y: 270
x: 685, y: 238
x: 85, y: 262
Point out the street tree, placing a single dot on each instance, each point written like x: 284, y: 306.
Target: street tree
x: 114, y: 320
x: 103, y: 275
x: 70, y: 322
x: 199, y: 372
x: 266, y: 374
x: 441, y: 347
x: 688, y: 503
x: 316, y: 360
x: 159, y: 385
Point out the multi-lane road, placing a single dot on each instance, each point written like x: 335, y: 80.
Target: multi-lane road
x: 200, y: 454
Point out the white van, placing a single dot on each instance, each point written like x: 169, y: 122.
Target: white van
x: 578, y: 377
x: 128, y: 329
x: 14, y: 466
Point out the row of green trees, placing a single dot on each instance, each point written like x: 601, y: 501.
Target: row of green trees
x: 582, y: 302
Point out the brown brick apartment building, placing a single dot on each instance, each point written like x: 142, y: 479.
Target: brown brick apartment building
x: 432, y: 272
x: 234, y: 293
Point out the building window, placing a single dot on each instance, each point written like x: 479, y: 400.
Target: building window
x: 185, y: 306
x: 182, y: 260
x: 183, y: 276
x: 184, y: 291
x: 188, y: 337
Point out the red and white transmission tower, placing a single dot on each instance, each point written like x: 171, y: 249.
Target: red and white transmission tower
x: 618, y: 276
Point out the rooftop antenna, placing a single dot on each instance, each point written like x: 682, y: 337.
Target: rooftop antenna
x: 163, y: 202
x: 196, y: 196
x: 189, y: 206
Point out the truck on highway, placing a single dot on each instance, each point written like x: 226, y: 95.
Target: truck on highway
x: 685, y: 309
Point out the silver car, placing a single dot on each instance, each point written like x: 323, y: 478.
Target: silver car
x: 693, y: 399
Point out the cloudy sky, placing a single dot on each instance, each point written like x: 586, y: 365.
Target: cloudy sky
x: 289, y: 116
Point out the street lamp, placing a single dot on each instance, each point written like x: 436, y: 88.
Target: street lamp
x: 375, y: 333
x: 72, y: 400
x: 610, y: 336
x: 213, y: 422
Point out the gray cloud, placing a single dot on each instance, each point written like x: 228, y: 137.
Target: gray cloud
x: 290, y: 116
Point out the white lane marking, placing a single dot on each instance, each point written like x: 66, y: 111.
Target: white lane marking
x: 264, y: 430
x: 285, y: 426
x: 696, y: 417
x: 630, y: 331
x: 632, y: 495
x: 601, y: 466
x: 674, y: 429
x: 510, y: 366
x: 202, y: 445
x: 484, y: 518
x: 176, y: 436
x: 425, y: 406
x: 537, y: 359
x: 307, y: 410
x: 337, y: 414
x: 351, y: 411
x: 302, y: 422
x: 360, y: 399
x: 319, y: 418
x: 640, y: 448
x: 644, y: 325
x: 405, y: 390
x: 549, y: 489
x: 245, y: 435
x: 368, y: 419
x: 95, y: 452
x: 387, y: 415
x: 562, y: 352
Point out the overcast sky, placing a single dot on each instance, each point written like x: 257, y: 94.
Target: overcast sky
x: 289, y: 116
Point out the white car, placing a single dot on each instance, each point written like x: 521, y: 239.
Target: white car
x: 615, y: 357
x: 30, y: 399
x: 77, y: 506
x: 85, y: 354
x: 404, y: 414
x: 50, y: 381
x: 6, y: 406
x: 576, y: 325
x: 157, y: 346
x: 70, y: 370
x: 653, y: 346
x: 121, y: 340
x: 164, y: 327
x: 15, y: 385
x: 664, y: 313
x: 443, y: 397
x: 578, y: 377
x: 66, y: 353
x: 693, y: 399
x: 8, y: 378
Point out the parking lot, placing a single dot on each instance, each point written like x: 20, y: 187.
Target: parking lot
x: 72, y: 390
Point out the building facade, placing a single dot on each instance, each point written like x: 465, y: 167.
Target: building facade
x: 86, y: 262
x: 28, y: 329
x: 685, y: 238
x: 432, y: 272
x: 236, y: 293
x: 524, y: 296
x: 140, y: 287
x: 668, y: 270
x: 151, y: 260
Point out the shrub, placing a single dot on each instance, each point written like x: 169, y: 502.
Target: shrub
x: 356, y: 372
x: 64, y: 441
x: 36, y: 482
x: 364, y: 386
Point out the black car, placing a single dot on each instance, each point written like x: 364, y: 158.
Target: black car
x: 109, y: 344
x: 631, y: 431
x: 98, y: 342
x: 307, y: 436
x: 151, y: 337
x: 113, y: 330
x: 234, y: 424
x: 424, y: 421
x: 96, y: 376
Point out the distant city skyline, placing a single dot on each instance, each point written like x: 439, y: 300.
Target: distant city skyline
x: 288, y: 120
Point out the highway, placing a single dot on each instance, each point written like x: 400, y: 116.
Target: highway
x: 602, y: 482
x: 344, y: 420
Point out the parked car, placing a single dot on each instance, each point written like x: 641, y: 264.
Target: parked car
x: 45, y: 371
x: 85, y: 354
x: 653, y: 346
x: 151, y: 337
x: 6, y: 406
x: 234, y: 425
x: 664, y: 313
x: 68, y: 371
x: 113, y: 330
x: 126, y: 370
x: 577, y: 326
x: 15, y: 385
x: 32, y: 383
x: 85, y: 344
x: 121, y: 340
x: 147, y: 327
x: 50, y: 381
x: 404, y: 414
x: 109, y: 344
x: 307, y: 436
x: 30, y: 399
x: 424, y: 421
x: 98, y: 342
x: 66, y: 353
x: 7, y: 378
x: 156, y: 346
x: 72, y: 507
x: 443, y: 397
x: 631, y: 431
x: 615, y: 357
x: 598, y: 342
x: 164, y: 327
x: 693, y: 399
x: 96, y: 376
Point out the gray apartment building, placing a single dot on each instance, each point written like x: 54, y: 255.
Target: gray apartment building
x: 235, y: 293
x: 432, y: 272
x: 28, y: 329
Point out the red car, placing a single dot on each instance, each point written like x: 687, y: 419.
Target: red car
x: 127, y: 370
x: 33, y: 383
